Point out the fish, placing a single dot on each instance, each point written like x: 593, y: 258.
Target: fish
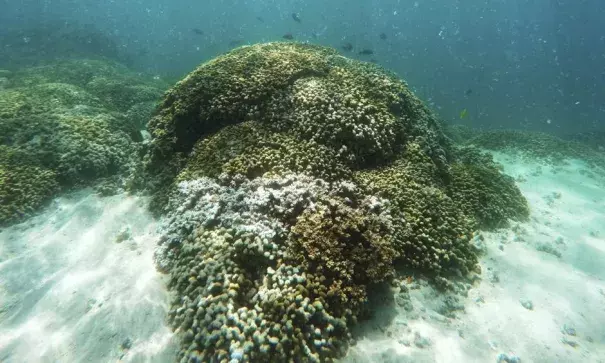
x: 347, y: 46
x: 288, y: 36
x: 260, y: 18
x: 366, y: 52
x: 296, y: 17
x: 235, y: 42
x: 198, y: 31
x: 383, y: 36
x: 463, y: 113
x: 468, y: 92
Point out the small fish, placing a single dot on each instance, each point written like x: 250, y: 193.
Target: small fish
x: 260, y: 18
x: 288, y: 36
x: 296, y: 17
x: 366, y: 52
x: 383, y: 36
x: 468, y: 92
x: 347, y: 46
x: 463, y: 113
x: 235, y: 42
x: 198, y: 31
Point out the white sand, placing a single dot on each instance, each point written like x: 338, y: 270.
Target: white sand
x: 70, y: 293
x: 567, y: 213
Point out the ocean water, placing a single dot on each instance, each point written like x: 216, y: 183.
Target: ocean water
x: 302, y: 181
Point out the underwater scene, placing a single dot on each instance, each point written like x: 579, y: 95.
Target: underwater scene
x: 350, y: 181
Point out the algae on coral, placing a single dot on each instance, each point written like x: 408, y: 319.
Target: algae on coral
x: 293, y: 179
x: 66, y: 130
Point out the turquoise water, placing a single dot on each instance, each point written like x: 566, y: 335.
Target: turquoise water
x: 301, y: 182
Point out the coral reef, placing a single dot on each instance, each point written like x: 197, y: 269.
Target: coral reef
x: 293, y: 179
x: 595, y: 139
x: 58, y: 128
x: 358, y: 110
x: 537, y: 145
x: 23, y: 186
x: 47, y: 40
x: 240, y: 293
x: 460, y: 134
x: 430, y: 232
x: 483, y: 192
x: 116, y: 87
x: 348, y: 244
x: 252, y: 150
x: 43, y: 98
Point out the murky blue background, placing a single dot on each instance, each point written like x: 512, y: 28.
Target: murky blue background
x: 536, y: 65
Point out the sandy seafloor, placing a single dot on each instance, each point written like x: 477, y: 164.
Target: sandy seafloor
x: 70, y: 293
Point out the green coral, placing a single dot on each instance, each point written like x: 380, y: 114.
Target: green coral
x: 117, y: 87
x: 228, y: 90
x: 335, y: 110
x: 349, y: 246
x: 43, y: 98
x: 536, y: 145
x: 80, y: 72
x: 121, y: 95
x: 482, y: 191
x: 140, y: 113
x: 19, y: 174
x: 361, y: 112
x: 89, y: 148
x: 252, y: 150
x: 594, y: 139
x: 12, y: 103
x: 391, y: 197
x: 460, y: 134
x: 49, y: 151
x: 77, y: 147
x: 61, y: 126
x: 60, y: 96
x: 217, y: 318
x: 430, y: 232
